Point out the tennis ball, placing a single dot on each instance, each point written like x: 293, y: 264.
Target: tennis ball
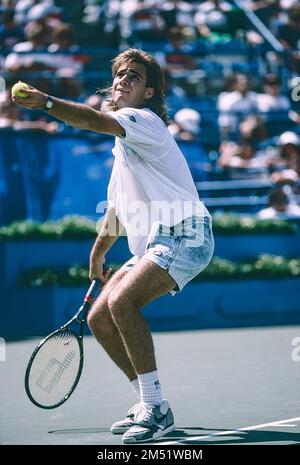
x: 16, y: 90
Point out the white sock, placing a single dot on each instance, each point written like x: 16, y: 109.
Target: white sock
x: 150, y: 391
x: 136, y: 387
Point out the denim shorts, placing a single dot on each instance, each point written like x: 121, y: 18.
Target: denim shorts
x: 184, y: 250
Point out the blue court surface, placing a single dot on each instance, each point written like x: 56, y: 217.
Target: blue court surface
x: 234, y: 386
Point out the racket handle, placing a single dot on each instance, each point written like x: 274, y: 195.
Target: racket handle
x: 92, y: 291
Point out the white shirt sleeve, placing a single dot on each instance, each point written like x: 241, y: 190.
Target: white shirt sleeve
x: 142, y: 127
x: 266, y: 214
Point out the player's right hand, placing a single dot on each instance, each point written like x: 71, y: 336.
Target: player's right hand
x: 98, y: 269
x: 35, y: 100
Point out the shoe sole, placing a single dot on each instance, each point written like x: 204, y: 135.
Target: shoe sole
x: 156, y: 435
x: 120, y: 430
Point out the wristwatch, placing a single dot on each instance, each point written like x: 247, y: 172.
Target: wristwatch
x: 49, y: 103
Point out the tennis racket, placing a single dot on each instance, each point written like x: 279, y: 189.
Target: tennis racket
x: 55, y: 366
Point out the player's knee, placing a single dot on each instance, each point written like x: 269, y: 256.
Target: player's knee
x: 97, y: 319
x: 113, y: 301
x: 117, y: 305
x: 92, y: 320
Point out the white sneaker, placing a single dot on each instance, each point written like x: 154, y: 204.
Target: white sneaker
x: 121, y: 426
x: 150, y: 422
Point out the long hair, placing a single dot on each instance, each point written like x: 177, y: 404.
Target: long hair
x: 155, y: 79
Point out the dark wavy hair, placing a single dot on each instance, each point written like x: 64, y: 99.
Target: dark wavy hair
x: 155, y: 79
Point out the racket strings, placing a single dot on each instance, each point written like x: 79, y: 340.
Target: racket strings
x: 54, y: 369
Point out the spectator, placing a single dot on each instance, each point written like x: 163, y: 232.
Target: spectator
x: 177, y: 13
x: 277, y: 16
x: 8, y: 4
x: 289, y: 34
x: 63, y: 41
x: 10, y: 32
x: 237, y: 104
x: 252, y: 128
x: 279, y: 207
x: 271, y: 100
x: 212, y: 17
x: 185, y: 128
x: 178, y: 51
x: 22, y: 7
x: 45, y: 15
x: 18, y: 62
x: 186, y: 124
x: 287, y: 167
x: 27, y: 61
x: 144, y: 22
x: 43, y: 60
x: 242, y: 161
x: 68, y: 85
x: 35, y: 40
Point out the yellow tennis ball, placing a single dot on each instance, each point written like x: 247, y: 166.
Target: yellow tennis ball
x: 16, y: 90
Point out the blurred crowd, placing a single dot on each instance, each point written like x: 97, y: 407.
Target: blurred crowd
x: 230, y: 93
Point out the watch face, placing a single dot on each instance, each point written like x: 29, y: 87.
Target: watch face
x: 49, y: 103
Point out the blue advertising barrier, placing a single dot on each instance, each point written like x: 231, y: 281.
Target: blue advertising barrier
x: 45, y: 176
x: 19, y: 256
x: 227, y: 304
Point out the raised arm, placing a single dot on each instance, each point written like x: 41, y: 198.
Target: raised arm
x: 75, y: 114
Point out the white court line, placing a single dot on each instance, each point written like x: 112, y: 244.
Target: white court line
x: 234, y: 431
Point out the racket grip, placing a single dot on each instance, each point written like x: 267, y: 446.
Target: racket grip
x: 92, y: 291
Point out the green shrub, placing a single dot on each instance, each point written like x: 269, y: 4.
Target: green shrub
x: 70, y: 227
x: 234, y: 224
x: 264, y: 267
x: 78, y: 227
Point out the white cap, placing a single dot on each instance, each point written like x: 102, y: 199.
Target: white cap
x: 188, y: 119
x: 288, y: 137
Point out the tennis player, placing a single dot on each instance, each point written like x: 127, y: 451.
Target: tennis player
x: 152, y: 197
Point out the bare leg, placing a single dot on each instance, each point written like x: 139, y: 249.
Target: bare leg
x: 105, y: 330
x: 143, y: 283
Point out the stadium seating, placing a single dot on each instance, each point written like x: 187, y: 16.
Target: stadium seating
x: 37, y: 167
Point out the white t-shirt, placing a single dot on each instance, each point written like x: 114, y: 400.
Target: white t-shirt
x: 235, y: 101
x: 268, y: 102
x: 150, y: 182
x: 234, y: 105
x: 292, y: 211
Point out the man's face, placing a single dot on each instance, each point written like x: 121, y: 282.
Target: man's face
x: 280, y: 207
x: 272, y: 89
x: 246, y: 152
x: 242, y: 83
x: 129, y: 87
